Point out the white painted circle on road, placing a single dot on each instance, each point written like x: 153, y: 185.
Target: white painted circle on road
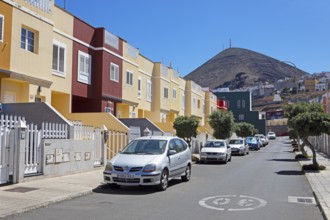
x: 232, y: 203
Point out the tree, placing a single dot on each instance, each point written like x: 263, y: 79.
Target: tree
x: 311, y: 124
x: 222, y: 123
x: 292, y: 111
x: 186, y: 127
x: 244, y: 129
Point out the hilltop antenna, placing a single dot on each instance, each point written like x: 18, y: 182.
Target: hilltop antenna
x: 229, y: 42
x: 64, y: 4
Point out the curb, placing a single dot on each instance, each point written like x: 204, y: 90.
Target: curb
x: 46, y: 203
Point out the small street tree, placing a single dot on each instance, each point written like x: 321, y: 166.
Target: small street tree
x: 222, y: 123
x: 311, y: 124
x: 186, y: 127
x: 292, y: 111
x: 244, y: 129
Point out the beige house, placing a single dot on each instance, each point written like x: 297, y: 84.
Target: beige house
x: 32, y: 71
x: 137, y: 84
x: 210, y: 106
x: 195, y: 101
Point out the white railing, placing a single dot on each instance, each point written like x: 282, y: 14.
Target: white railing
x: 10, y: 121
x: 54, y: 131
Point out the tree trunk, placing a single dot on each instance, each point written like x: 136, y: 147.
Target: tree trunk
x: 301, y: 147
x: 313, y: 150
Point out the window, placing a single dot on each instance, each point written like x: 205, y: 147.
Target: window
x: 27, y: 40
x: 2, y: 18
x: 114, y: 72
x: 238, y: 103
x: 129, y: 78
x: 59, y: 55
x: 149, y: 91
x: 165, y: 92
x: 174, y: 94
x: 243, y: 103
x: 139, y: 87
x: 84, y: 67
x: 183, y: 102
x: 241, y: 117
x: 194, y: 103
x: 198, y: 103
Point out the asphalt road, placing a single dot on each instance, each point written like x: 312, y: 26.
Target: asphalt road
x: 265, y: 185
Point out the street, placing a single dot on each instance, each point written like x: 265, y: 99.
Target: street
x: 267, y: 184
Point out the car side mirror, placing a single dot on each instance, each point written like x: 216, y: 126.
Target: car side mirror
x: 171, y: 152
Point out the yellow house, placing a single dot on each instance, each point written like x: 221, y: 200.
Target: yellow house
x: 137, y: 84
x: 195, y: 101
x: 61, y: 70
x: 36, y: 57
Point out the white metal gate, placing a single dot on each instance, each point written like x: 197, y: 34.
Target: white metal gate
x: 98, y: 152
x: 32, y: 158
x: 5, y: 160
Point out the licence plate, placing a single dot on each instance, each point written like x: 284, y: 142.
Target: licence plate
x: 212, y: 156
x: 126, y: 176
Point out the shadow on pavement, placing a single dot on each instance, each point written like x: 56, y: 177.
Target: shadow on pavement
x: 132, y: 190
x: 290, y: 172
x: 283, y: 160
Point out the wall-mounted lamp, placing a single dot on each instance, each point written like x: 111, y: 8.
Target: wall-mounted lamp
x: 39, y: 89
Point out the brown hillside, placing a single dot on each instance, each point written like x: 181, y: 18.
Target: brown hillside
x: 237, y: 68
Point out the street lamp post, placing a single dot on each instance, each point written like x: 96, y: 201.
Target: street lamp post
x: 295, y: 73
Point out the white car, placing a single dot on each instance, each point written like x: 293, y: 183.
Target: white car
x: 151, y: 160
x: 215, y: 150
x: 271, y: 135
x: 238, y: 146
x: 263, y: 139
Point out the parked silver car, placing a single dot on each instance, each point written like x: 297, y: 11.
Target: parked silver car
x: 238, y: 146
x: 215, y: 150
x: 152, y: 160
x: 263, y: 139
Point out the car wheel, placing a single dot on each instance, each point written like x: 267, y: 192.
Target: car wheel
x: 229, y: 158
x: 187, y: 174
x: 114, y: 186
x: 163, y: 180
x: 226, y: 160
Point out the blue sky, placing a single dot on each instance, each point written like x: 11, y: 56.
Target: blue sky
x: 187, y: 33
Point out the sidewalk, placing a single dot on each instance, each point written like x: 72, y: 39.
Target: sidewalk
x: 18, y: 198
x: 320, y: 182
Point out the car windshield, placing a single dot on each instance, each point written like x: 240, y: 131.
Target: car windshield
x: 145, y: 147
x: 236, y: 141
x: 271, y: 133
x: 251, y: 140
x: 215, y: 144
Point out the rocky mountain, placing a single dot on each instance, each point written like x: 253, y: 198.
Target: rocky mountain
x: 237, y: 68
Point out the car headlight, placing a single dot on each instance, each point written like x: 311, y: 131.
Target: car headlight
x: 149, y: 168
x: 203, y: 154
x: 108, y: 167
x: 241, y: 147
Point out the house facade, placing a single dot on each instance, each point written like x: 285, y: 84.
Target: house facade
x: 240, y: 103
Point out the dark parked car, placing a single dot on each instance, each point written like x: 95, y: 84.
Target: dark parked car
x: 254, y: 143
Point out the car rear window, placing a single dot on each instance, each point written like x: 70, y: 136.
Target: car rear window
x: 215, y: 144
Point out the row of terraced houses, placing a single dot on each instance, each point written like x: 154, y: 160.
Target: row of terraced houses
x: 49, y: 55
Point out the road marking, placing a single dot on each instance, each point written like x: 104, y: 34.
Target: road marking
x: 232, y: 203
x: 302, y: 200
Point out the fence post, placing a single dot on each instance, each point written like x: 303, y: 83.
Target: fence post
x: 19, y: 152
